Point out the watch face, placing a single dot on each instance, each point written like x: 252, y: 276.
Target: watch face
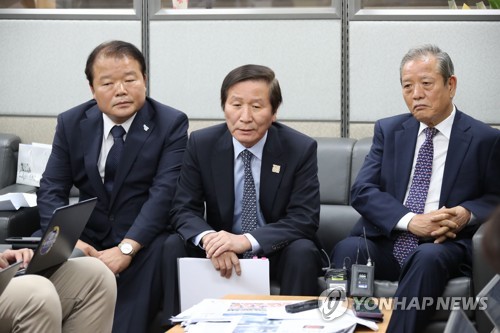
x: 126, y: 248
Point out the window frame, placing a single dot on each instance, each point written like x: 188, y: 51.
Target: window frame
x: 274, y: 13
x: 74, y: 13
x: 356, y: 13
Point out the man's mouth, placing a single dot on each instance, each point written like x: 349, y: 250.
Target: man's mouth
x: 419, y: 107
x: 122, y: 103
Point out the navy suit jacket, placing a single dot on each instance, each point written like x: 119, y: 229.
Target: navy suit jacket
x: 289, y: 199
x: 471, y: 175
x: 145, y: 181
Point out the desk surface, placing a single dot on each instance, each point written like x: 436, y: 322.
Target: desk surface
x: 382, y: 327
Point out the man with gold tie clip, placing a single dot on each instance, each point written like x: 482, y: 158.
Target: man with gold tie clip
x: 258, y: 180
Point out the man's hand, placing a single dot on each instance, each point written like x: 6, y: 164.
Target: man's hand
x: 225, y: 263
x: 217, y: 243
x: 423, y: 225
x: 87, y: 249
x: 11, y: 256
x: 116, y: 261
x: 451, y: 222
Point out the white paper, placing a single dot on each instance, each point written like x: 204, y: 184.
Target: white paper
x: 344, y: 321
x: 199, y: 280
x: 14, y: 201
x: 227, y: 315
x: 222, y: 309
x: 31, y: 162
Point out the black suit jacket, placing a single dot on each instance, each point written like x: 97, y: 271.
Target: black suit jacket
x: 471, y: 175
x: 145, y: 181
x: 289, y: 199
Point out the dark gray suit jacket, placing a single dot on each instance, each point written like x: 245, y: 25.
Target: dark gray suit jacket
x: 471, y: 176
x: 289, y: 199
x: 145, y: 181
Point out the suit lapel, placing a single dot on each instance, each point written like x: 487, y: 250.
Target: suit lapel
x: 91, y: 129
x: 222, y: 163
x: 139, y: 131
x: 271, y: 173
x: 405, y: 141
x: 460, y: 140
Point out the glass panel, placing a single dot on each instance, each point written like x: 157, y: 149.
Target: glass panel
x: 89, y: 4
x: 169, y: 4
x: 429, y: 4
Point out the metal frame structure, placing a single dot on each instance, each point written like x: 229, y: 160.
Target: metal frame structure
x: 357, y: 13
x: 158, y: 13
x: 344, y: 10
x: 73, y: 13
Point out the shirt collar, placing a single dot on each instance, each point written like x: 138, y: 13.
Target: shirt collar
x: 108, y: 124
x: 256, y: 149
x: 443, y: 127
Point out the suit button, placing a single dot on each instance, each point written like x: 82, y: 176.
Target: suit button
x: 111, y: 218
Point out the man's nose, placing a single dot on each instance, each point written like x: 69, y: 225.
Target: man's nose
x: 120, y: 89
x: 418, y: 92
x: 246, y: 114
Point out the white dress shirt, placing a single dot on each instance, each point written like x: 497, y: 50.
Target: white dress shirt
x: 107, y: 140
x: 239, y: 176
x: 441, y: 141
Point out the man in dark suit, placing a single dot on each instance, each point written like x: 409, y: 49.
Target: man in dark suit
x: 283, y: 181
x: 132, y: 173
x: 423, y: 247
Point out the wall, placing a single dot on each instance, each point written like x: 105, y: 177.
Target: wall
x: 42, y: 64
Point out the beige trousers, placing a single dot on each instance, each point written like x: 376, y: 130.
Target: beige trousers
x: 79, y: 297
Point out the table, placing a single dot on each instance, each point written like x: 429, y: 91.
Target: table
x: 382, y: 327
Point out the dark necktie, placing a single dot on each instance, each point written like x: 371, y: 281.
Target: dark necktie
x: 113, y: 159
x: 406, y: 242
x: 249, y: 205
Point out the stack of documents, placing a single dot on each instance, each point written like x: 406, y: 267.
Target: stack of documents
x: 14, y: 201
x: 242, y: 316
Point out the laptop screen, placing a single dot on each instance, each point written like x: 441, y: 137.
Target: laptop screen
x: 459, y: 323
x: 492, y: 292
x: 63, y: 231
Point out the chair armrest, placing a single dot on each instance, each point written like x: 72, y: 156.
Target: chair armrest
x: 482, y: 273
x: 22, y: 222
x: 18, y: 188
x: 9, y: 146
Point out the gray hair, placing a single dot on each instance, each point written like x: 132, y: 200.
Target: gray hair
x: 445, y: 65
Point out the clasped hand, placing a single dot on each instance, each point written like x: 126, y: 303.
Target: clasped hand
x: 441, y: 224
x: 222, y: 248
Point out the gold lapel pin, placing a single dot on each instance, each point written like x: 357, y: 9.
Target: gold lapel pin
x: 276, y: 168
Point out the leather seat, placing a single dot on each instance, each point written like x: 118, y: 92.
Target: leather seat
x: 25, y: 220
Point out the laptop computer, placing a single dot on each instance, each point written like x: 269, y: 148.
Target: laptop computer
x: 7, y: 274
x: 491, y: 292
x: 459, y: 323
x: 64, y: 230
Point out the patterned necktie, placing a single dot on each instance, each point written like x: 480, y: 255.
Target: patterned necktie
x: 406, y: 242
x: 249, y: 205
x: 113, y: 158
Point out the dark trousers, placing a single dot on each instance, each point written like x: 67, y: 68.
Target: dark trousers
x: 140, y: 290
x: 425, y: 273
x: 296, y: 267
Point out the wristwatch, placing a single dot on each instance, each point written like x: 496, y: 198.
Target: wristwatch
x: 126, y: 249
